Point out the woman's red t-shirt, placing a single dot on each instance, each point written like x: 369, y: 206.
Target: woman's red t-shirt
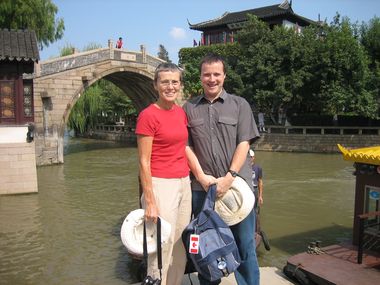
x: 169, y: 131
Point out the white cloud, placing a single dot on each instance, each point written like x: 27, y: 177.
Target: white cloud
x: 177, y: 33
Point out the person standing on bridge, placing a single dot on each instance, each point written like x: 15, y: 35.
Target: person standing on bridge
x: 164, y: 172
x: 221, y: 129
x: 119, y: 43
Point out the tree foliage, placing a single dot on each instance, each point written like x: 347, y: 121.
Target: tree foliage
x: 103, y: 102
x: 370, y: 38
x: 37, y: 15
x: 163, y: 53
x: 67, y: 49
x: 324, y: 70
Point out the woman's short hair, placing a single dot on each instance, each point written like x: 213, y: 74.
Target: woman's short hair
x: 167, y: 66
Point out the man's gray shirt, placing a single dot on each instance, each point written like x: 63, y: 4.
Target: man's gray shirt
x: 215, y: 130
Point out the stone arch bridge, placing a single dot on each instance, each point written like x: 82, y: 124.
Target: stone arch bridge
x: 60, y: 82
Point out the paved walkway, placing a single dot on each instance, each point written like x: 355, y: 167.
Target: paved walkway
x: 269, y: 276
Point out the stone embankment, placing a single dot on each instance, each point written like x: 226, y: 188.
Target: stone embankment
x: 316, y: 139
x: 279, y: 138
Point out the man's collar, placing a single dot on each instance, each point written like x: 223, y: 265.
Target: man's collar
x: 222, y: 96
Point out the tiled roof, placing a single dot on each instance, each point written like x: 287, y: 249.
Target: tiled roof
x: 262, y: 13
x: 18, y: 45
x: 369, y: 155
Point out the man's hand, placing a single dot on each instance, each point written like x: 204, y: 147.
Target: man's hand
x: 223, y: 184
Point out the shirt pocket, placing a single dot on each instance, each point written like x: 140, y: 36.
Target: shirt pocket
x: 228, y: 127
x: 197, y: 128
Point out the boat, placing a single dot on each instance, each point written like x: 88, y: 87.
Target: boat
x: 356, y: 262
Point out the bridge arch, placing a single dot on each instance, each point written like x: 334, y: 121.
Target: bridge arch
x: 60, y: 82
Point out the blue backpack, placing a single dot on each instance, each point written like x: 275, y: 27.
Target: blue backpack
x: 215, y: 253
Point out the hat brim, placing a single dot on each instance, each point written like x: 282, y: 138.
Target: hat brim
x: 237, y: 203
x: 132, y: 231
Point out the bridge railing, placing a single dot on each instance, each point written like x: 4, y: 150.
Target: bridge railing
x: 322, y: 130
x: 115, y: 128
x: 76, y: 60
x: 273, y: 129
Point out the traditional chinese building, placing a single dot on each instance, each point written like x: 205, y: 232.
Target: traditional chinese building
x: 18, y: 55
x: 224, y: 28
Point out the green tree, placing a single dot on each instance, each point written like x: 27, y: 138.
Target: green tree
x: 370, y: 38
x: 305, y: 73
x: 272, y: 65
x: 370, y: 35
x: 84, y: 114
x: 345, y: 75
x: 67, y: 49
x: 116, y: 103
x: 101, y: 102
x: 163, y: 53
x: 37, y: 15
x: 92, y: 46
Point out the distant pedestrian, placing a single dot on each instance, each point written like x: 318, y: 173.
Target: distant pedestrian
x: 335, y: 120
x: 280, y: 115
x: 261, y: 122
x: 257, y: 180
x: 119, y: 43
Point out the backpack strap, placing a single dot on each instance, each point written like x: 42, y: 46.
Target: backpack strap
x: 210, y: 198
x: 159, y: 249
x: 208, y: 204
x: 145, y: 251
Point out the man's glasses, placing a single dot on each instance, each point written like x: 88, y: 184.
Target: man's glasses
x: 166, y: 83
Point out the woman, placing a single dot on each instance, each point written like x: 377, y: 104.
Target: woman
x: 161, y: 139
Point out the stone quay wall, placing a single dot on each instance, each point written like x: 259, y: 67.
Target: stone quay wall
x: 278, y: 138
x: 18, y: 168
x: 316, y: 139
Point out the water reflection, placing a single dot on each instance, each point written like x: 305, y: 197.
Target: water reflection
x: 68, y: 233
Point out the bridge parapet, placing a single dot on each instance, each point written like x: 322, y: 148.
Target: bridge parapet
x: 95, y: 56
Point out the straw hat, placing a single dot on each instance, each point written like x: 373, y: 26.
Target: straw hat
x: 237, y: 203
x: 132, y: 232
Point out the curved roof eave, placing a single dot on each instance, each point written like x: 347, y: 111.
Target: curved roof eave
x: 369, y: 155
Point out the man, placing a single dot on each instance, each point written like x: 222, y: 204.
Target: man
x: 221, y: 128
x: 257, y: 179
x: 260, y: 116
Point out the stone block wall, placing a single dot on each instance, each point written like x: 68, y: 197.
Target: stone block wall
x: 18, y: 173
x: 313, y: 143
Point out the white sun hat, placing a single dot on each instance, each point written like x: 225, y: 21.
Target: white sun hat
x: 237, y: 203
x: 251, y: 153
x: 132, y: 232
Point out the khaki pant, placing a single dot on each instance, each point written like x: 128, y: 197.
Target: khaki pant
x: 173, y: 198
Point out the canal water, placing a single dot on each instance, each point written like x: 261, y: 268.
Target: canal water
x: 68, y: 233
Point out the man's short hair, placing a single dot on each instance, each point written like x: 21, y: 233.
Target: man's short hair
x: 211, y: 58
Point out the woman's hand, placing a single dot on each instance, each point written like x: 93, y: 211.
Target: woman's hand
x: 206, y: 180
x: 151, y: 211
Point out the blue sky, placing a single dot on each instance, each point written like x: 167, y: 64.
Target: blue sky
x: 155, y: 22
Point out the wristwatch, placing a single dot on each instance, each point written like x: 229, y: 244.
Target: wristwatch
x: 233, y: 173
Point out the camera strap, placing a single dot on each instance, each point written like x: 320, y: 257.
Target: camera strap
x: 159, y: 249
